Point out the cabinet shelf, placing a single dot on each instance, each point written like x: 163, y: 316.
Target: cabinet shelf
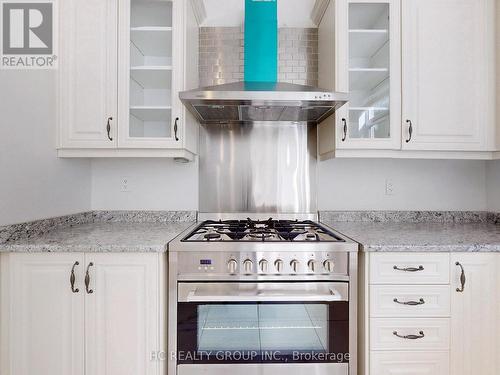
x: 152, y: 77
x: 358, y: 109
x: 364, y: 43
x: 152, y: 41
x: 145, y: 113
x: 366, y: 78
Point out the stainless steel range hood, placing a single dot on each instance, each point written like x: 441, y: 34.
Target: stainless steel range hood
x: 248, y: 102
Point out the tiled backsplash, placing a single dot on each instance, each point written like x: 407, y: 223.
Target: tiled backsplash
x: 222, y: 55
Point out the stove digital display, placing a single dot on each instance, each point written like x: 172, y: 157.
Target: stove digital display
x: 205, y: 262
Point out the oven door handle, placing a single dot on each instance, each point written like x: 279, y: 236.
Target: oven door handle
x: 265, y: 297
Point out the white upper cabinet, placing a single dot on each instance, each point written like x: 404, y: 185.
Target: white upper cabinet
x: 420, y: 74
x: 88, y: 73
x: 124, y: 66
x: 150, y: 73
x: 448, y: 74
x: 369, y: 59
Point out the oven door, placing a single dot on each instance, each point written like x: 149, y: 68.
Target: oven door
x: 265, y: 323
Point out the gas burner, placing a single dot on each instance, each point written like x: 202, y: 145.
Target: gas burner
x: 261, y: 233
x: 312, y: 237
x: 212, y: 236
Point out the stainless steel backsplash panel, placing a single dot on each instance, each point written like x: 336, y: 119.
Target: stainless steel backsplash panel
x: 258, y: 168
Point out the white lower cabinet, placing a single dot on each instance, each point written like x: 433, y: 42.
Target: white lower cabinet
x: 409, y: 363
x: 42, y: 320
x: 424, y: 317
x: 108, y: 323
x: 475, y: 314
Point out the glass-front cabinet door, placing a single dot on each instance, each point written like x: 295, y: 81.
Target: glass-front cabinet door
x: 149, y: 113
x: 368, y: 50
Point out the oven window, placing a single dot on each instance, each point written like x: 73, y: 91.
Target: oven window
x: 263, y: 332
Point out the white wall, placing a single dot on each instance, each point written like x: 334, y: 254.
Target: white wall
x: 154, y: 184
x: 34, y: 183
x: 418, y: 185
x: 493, y: 185
x: 343, y: 185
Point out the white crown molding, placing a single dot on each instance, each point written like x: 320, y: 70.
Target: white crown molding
x: 199, y: 11
x: 320, y: 7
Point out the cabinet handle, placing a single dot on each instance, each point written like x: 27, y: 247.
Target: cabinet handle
x: 409, y: 269
x: 72, y: 278
x: 410, y: 337
x: 344, y: 134
x: 410, y: 130
x: 108, y: 128
x: 410, y: 303
x: 87, y: 279
x: 175, y: 128
x: 462, y: 278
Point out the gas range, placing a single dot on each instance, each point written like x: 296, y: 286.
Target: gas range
x: 286, y: 289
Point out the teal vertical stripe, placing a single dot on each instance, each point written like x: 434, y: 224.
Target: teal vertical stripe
x: 261, y: 41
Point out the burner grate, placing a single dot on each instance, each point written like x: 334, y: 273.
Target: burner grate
x: 262, y: 231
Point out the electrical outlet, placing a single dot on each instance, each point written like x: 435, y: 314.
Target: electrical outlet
x: 125, y: 185
x: 389, y: 187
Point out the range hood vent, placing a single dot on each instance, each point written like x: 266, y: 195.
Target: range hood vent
x: 248, y: 102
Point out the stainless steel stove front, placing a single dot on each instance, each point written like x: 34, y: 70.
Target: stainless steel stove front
x: 225, y: 307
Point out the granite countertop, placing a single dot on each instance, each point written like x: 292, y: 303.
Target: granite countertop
x: 101, y: 237
x: 422, y: 237
x: 142, y: 231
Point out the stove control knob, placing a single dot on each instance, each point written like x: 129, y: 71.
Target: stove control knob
x: 329, y: 265
x: 295, y: 265
x: 247, y: 266
x: 312, y: 265
x: 279, y: 265
x: 232, y: 265
x: 264, y: 265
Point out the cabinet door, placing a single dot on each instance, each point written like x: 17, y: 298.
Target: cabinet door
x: 42, y: 318
x: 151, y: 69
x: 475, y: 314
x: 368, y: 49
x: 88, y: 73
x: 447, y: 73
x: 122, y: 314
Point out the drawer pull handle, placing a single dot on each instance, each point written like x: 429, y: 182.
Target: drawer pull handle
x: 344, y: 133
x: 108, y: 128
x: 462, y: 278
x: 410, y: 303
x: 410, y: 337
x: 409, y: 269
x: 87, y: 279
x: 72, y: 278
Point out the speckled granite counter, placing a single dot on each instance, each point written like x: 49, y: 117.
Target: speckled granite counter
x: 98, y: 231
x: 102, y: 237
x: 421, y: 237
x: 143, y: 231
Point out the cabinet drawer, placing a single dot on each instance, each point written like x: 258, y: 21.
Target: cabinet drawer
x: 409, y: 268
x: 409, y: 363
x: 422, y: 301
x: 409, y: 334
